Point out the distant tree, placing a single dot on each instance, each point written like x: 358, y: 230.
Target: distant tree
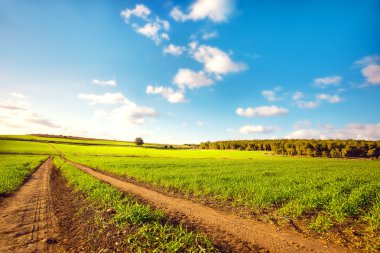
x: 139, y: 141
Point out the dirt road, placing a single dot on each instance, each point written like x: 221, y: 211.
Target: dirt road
x: 27, y: 221
x: 218, y: 224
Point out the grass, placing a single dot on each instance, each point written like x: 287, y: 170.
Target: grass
x: 290, y: 187
x: 14, y: 169
x: 152, y: 233
x: 150, y: 152
x: 25, y: 147
x: 78, y: 141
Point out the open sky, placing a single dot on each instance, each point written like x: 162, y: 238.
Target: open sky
x: 176, y: 71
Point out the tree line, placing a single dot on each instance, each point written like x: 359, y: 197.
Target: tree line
x: 303, y: 147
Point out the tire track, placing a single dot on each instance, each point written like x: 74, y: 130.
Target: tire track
x: 221, y: 225
x: 27, y: 221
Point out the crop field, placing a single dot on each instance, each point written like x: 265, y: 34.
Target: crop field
x: 291, y: 186
x: 154, y: 152
x: 337, y: 200
x: 25, y: 147
x: 150, y: 231
x: 14, y: 169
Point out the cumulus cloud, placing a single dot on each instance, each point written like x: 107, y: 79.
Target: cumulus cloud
x: 253, y: 129
x: 307, y: 104
x: 140, y: 11
x: 323, y: 82
x: 329, y: 98
x: 216, y: 11
x: 261, y: 111
x: 152, y: 31
x: 174, y: 50
x: 297, y: 95
x: 127, y: 112
x: 152, y: 27
x: 215, y: 60
x: 191, y: 79
x: 350, y: 131
x: 168, y: 93
x: 372, y: 74
x: 104, y: 82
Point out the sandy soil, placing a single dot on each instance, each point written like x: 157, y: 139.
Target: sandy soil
x: 256, y: 236
x: 27, y: 220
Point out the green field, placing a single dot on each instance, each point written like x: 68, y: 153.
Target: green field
x: 14, y: 169
x: 321, y: 194
x: 336, y: 189
x: 25, y: 147
x: 155, y: 152
x: 149, y: 231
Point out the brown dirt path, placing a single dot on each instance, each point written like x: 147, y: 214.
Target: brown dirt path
x: 217, y: 224
x: 27, y: 221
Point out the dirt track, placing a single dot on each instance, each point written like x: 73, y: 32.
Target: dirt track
x: 218, y: 224
x: 27, y: 221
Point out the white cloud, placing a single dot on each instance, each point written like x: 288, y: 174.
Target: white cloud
x: 152, y: 28
x: 215, y: 10
x: 188, y: 78
x: 262, y: 111
x: 18, y: 95
x: 132, y: 113
x: 152, y: 31
x: 249, y: 129
x: 368, y: 60
x: 106, y: 99
x: 215, y: 60
x: 307, y: 104
x: 297, y: 95
x: 11, y: 106
x: 323, y: 82
x: 209, y: 35
x: 372, y: 73
x: 104, y: 82
x: 14, y: 115
x: 168, y: 93
x: 330, y: 98
x: 349, y: 131
x: 270, y: 95
x: 140, y: 11
x: 127, y: 112
x: 174, y: 50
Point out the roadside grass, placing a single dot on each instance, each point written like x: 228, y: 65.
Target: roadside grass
x: 14, y: 169
x: 287, y: 187
x: 25, y: 147
x: 152, y: 233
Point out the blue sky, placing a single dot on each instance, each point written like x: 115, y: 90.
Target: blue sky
x: 190, y: 71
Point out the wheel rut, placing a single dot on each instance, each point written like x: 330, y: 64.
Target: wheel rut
x: 265, y: 237
x: 27, y: 220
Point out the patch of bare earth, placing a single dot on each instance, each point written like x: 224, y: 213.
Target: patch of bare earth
x: 239, y: 233
x: 27, y: 220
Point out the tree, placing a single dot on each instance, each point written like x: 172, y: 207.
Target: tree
x: 139, y: 141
